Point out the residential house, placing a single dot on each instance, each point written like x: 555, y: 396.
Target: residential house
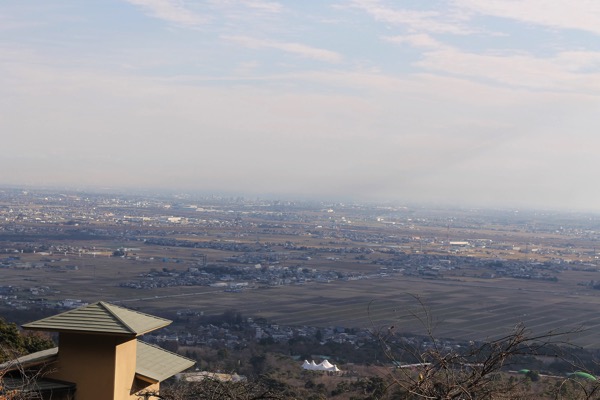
x: 99, y: 356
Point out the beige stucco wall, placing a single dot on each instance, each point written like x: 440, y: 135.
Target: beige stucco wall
x: 102, y: 366
x: 126, y: 386
x: 125, y: 369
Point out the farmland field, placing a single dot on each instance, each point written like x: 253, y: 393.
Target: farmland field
x: 466, y: 309
x: 349, y: 267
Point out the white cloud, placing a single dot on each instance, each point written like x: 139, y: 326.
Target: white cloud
x: 562, y: 71
x: 573, y: 14
x: 7, y: 23
x: 568, y: 71
x: 470, y: 125
x: 170, y: 10
x: 450, y: 22
x: 266, y: 6
x: 294, y: 48
x: 416, y: 40
x: 418, y: 135
x: 454, y: 17
x: 579, y: 61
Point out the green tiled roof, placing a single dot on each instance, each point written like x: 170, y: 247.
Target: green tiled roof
x: 100, y: 317
x: 29, y: 360
x: 40, y: 385
x: 156, y: 364
x: 152, y: 363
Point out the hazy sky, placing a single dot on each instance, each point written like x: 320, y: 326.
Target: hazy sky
x: 475, y: 102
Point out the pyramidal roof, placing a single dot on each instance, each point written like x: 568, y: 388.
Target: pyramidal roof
x: 156, y: 364
x: 153, y: 364
x: 101, y: 317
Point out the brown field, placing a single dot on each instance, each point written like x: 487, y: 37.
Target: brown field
x: 461, y: 306
x: 469, y: 308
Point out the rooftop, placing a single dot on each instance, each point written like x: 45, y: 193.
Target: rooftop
x: 153, y: 364
x: 102, y: 318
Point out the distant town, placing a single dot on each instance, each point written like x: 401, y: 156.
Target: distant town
x: 245, y: 278
x: 234, y: 245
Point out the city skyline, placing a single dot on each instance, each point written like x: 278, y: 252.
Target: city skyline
x: 483, y: 103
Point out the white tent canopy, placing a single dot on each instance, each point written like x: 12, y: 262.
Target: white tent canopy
x: 323, y: 366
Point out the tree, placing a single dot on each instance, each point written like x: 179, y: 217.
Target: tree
x: 24, y: 388
x: 14, y: 342
x: 213, y: 389
x: 534, y: 376
x: 465, y: 373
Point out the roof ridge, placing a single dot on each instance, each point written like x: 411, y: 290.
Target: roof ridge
x: 101, y: 317
x: 105, y: 306
x: 51, y: 316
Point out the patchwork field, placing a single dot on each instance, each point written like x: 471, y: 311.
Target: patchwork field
x: 77, y: 262
x: 467, y: 309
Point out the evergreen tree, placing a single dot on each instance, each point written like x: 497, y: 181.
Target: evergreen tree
x: 14, y: 343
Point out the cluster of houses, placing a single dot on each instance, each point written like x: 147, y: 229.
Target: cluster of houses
x: 228, y: 336
x: 441, y: 266
x: 231, y: 277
